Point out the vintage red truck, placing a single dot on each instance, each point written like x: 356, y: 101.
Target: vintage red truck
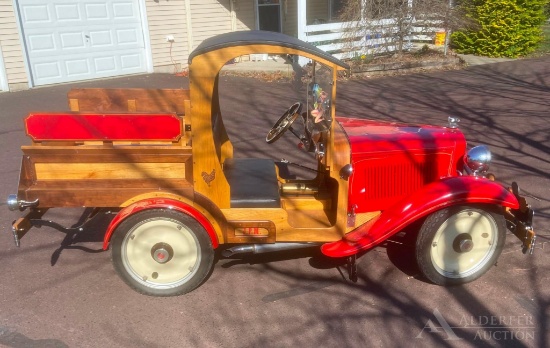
x: 163, y: 161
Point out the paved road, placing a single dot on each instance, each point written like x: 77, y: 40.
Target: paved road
x: 59, y: 291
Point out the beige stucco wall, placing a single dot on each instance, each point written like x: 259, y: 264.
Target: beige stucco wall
x: 11, y: 48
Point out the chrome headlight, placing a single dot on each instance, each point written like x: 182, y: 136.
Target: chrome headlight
x: 477, y: 160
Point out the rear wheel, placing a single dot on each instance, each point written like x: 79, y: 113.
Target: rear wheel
x: 161, y: 252
x: 459, y: 244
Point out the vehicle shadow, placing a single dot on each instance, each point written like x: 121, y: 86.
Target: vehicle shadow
x: 85, y: 230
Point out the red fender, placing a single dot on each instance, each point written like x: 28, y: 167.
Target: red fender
x: 155, y: 203
x: 432, y: 197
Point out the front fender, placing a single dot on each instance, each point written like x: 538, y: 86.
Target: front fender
x: 432, y: 197
x: 156, y: 203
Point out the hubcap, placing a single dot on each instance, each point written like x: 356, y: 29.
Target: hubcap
x: 161, y: 253
x: 464, y: 243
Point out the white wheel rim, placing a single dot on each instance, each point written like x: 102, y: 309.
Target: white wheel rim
x: 140, y: 243
x: 473, y: 229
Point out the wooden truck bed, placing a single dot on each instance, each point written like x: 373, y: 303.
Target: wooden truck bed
x: 121, y: 143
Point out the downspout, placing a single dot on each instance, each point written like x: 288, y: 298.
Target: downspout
x: 189, y: 23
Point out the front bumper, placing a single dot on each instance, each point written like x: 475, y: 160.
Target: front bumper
x: 520, y: 222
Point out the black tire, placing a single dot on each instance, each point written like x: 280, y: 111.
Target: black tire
x: 459, y: 244
x: 161, y: 252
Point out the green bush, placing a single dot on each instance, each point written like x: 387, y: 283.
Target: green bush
x: 501, y: 28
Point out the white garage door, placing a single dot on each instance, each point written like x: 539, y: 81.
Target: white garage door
x: 71, y: 40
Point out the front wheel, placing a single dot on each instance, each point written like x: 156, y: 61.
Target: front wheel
x: 161, y: 252
x: 459, y: 244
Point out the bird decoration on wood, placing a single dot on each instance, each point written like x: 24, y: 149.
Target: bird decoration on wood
x: 208, y: 178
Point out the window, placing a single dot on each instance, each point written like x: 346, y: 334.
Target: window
x: 336, y: 7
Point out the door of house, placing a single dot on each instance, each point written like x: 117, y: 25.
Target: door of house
x: 269, y: 15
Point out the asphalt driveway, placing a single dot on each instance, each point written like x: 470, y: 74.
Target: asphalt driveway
x: 61, y: 290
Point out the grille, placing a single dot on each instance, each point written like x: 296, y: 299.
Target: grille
x: 395, y: 180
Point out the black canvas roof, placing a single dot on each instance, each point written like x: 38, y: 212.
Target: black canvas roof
x: 258, y: 37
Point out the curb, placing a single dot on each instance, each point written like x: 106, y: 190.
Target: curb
x: 403, y: 66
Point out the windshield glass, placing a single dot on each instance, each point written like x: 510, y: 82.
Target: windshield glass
x: 257, y: 90
x: 320, y: 94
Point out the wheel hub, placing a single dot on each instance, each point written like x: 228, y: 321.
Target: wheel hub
x: 162, y: 252
x: 463, y: 243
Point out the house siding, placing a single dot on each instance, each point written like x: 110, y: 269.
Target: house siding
x: 167, y: 18
x: 12, y: 50
x: 208, y: 18
x: 246, y: 15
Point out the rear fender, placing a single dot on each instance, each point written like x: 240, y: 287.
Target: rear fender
x: 432, y: 197
x: 162, y: 203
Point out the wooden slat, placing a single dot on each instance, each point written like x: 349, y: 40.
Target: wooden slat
x: 101, y: 150
x: 146, y: 184
x: 98, y: 171
x: 89, y: 158
x: 116, y: 100
x: 101, y: 193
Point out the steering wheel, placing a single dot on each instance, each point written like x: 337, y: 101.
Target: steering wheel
x: 284, y: 123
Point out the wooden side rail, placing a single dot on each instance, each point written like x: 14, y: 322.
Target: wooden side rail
x: 128, y: 100
x: 100, y: 176
x: 45, y: 127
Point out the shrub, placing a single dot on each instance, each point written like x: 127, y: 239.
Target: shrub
x: 502, y: 28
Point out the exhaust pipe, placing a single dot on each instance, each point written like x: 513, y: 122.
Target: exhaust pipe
x: 266, y: 248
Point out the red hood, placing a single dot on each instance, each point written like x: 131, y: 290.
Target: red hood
x: 391, y: 161
x: 368, y: 136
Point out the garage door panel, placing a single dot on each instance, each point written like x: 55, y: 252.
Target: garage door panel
x: 96, y: 11
x: 82, y: 40
x: 131, y: 62
x: 67, y: 13
x: 124, y: 10
x: 101, y: 38
x: 105, y: 64
x: 42, y: 43
x: 33, y: 14
x: 48, y: 70
x: 77, y: 67
x: 128, y: 36
x: 72, y: 40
